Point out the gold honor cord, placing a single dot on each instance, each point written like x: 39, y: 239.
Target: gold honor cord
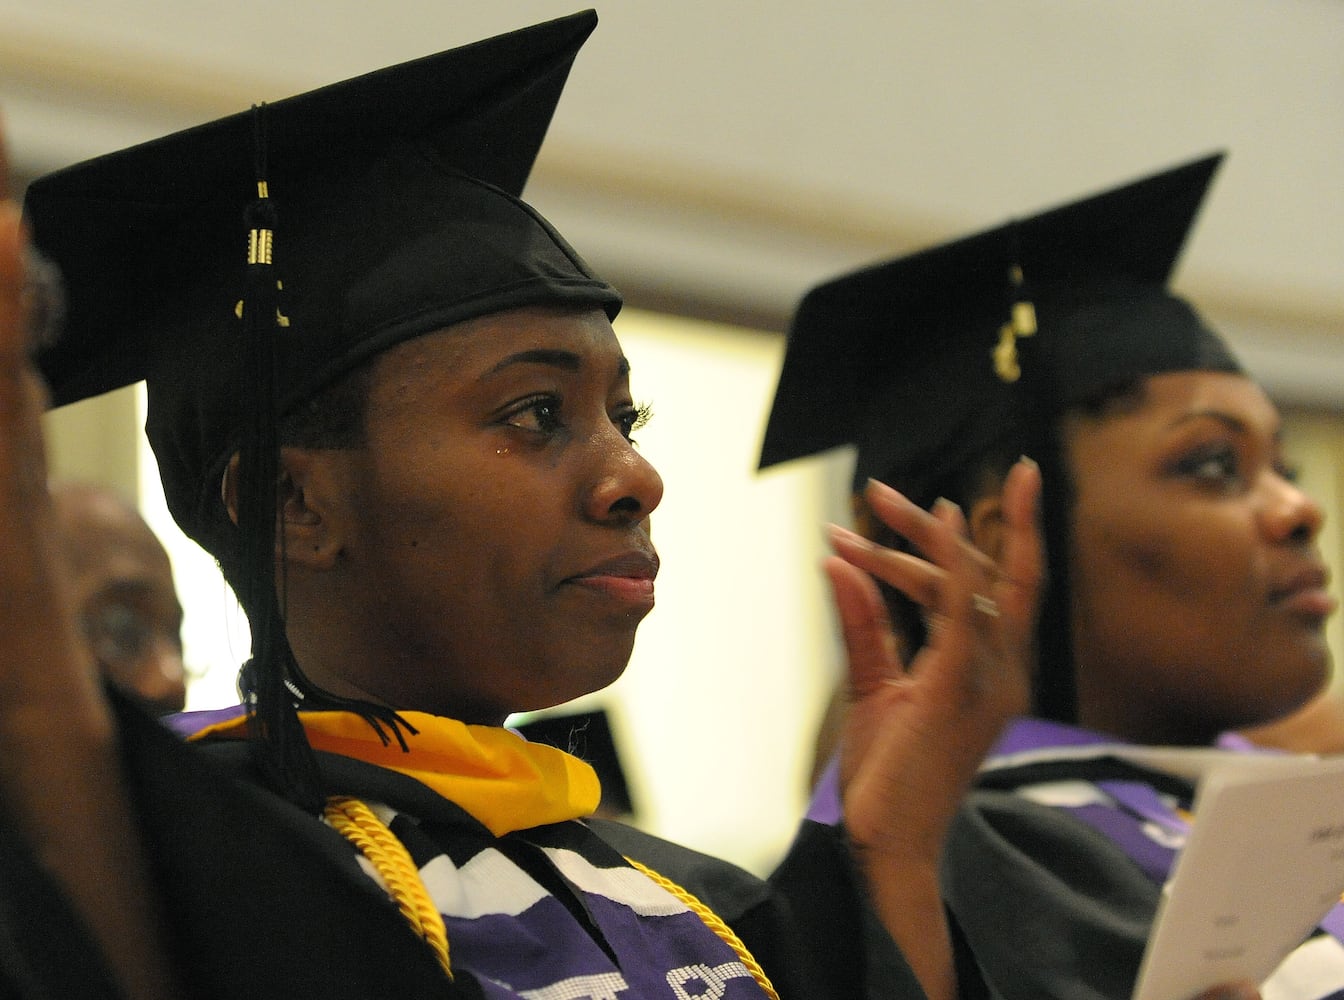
x: 357, y: 823
x: 713, y: 921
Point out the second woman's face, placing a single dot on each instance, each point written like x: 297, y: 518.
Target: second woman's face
x: 496, y: 546
x: 1199, y: 595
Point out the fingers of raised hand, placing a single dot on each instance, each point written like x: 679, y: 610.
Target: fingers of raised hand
x: 951, y: 579
x: 12, y: 249
x: 32, y: 294
x: 11, y: 283
x: 915, y: 577
x: 22, y: 394
x: 1023, y: 555
x: 870, y: 642
x: 4, y: 165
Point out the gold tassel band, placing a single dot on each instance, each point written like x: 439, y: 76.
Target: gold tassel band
x: 259, y: 243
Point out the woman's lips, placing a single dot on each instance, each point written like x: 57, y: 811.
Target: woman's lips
x: 1305, y: 594
x: 627, y: 577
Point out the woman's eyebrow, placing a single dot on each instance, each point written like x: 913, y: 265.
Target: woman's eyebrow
x: 1234, y: 423
x: 1228, y: 420
x: 566, y: 360
x: 569, y: 361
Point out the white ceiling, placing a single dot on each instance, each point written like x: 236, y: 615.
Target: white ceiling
x: 723, y: 155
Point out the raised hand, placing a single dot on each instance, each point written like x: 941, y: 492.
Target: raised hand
x: 44, y: 668
x: 915, y: 733
x: 60, y: 781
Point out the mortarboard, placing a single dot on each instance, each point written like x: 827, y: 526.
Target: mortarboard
x: 397, y: 214
x: 940, y: 364
x: 240, y: 266
x: 910, y: 361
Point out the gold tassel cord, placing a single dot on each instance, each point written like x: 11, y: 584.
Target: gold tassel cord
x: 1021, y: 323
x: 714, y: 923
x: 357, y: 823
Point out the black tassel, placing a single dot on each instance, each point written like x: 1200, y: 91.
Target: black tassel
x: 1054, y: 687
x: 281, y: 750
x: 272, y: 682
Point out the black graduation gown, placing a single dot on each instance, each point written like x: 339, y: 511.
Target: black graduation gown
x: 1052, y: 907
x: 263, y: 901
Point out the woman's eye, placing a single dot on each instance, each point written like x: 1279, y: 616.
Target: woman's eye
x: 541, y: 414
x: 632, y: 419
x: 121, y: 635
x: 1216, y: 466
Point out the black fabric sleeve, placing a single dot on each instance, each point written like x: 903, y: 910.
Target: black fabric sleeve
x: 46, y: 952
x: 832, y: 913
x: 1048, y: 906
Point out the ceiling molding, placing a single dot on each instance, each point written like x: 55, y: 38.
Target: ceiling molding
x: 149, y: 84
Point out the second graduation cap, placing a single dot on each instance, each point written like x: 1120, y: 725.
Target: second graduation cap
x: 928, y: 362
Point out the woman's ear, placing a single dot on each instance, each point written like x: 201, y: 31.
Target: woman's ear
x: 987, y: 526
x: 310, y: 537
x: 228, y: 488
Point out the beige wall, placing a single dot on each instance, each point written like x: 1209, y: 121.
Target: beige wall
x: 722, y: 155
x: 1315, y: 444
x: 97, y: 440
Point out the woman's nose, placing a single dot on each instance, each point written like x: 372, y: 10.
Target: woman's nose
x: 628, y: 487
x: 1292, y: 514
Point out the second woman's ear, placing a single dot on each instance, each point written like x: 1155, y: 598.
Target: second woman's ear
x: 986, y: 525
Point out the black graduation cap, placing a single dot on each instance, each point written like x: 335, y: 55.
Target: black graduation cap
x: 240, y: 266
x: 396, y: 213
x: 925, y: 362
x: 953, y: 361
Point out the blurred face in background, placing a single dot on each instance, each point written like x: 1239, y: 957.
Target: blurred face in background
x: 125, y: 596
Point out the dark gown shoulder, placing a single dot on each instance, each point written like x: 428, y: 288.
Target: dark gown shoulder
x: 264, y: 901
x: 1048, y: 906
x: 46, y: 952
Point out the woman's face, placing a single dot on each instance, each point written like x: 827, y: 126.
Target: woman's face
x: 1198, y: 592
x: 495, y: 542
